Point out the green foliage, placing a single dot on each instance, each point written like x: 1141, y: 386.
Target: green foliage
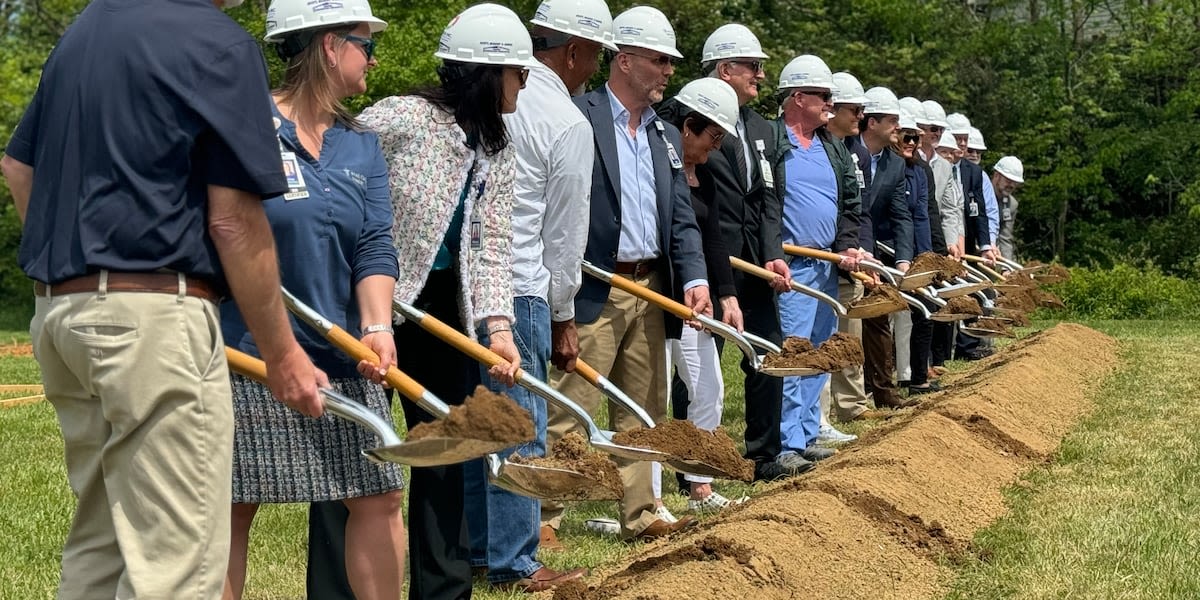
x: 1128, y: 291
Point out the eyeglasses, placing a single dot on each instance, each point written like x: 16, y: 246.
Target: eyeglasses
x: 661, y: 61
x: 523, y: 73
x: 824, y: 96
x: 934, y: 129
x: 912, y: 138
x: 855, y: 109
x: 367, y: 44
x: 717, y: 137
x: 754, y: 65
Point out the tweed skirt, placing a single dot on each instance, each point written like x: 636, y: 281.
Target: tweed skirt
x: 280, y: 455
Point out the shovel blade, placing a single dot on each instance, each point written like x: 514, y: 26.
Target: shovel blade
x: 951, y: 317
x: 435, y: 452
x: 912, y: 281
x: 549, y: 483
x: 962, y: 289
x: 874, y: 310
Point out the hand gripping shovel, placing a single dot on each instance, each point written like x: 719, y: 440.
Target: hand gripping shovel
x: 860, y: 310
x: 683, y: 465
x: 730, y: 334
x: 426, y: 452
x: 392, y: 450
x: 760, y: 272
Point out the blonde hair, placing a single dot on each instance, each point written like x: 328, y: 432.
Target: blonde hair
x: 308, y: 81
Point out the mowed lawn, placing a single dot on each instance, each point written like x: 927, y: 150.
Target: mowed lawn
x: 1115, y: 515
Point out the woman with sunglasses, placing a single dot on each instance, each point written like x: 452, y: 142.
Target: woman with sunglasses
x: 705, y: 111
x: 452, y: 172
x: 916, y: 187
x: 333, y: 232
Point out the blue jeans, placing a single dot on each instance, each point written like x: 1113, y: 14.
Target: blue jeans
x: 804, y: 316
x: 504, y: 526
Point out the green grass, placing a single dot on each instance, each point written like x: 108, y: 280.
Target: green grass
x: 1115, y: 515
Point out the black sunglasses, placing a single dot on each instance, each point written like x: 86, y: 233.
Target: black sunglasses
x: 824, y: 96
x: 662, y: 60
x: 523, y: 73
x: 367, y: 44
x: 754, y: 65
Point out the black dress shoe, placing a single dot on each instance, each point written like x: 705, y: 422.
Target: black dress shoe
x: 769, y: 471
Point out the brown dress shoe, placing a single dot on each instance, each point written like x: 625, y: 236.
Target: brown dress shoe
x: 543, y: 579
x: 661, y: 528
x: 549, y: 540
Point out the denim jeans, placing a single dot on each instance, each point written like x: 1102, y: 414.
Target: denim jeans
x: 504, y: 526
x: 804, y: 316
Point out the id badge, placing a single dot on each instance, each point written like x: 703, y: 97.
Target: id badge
x: 295, y: 179
x: 1007, y: 214
x: 973, y: 208
x: 862, y: 181
x: 476, y: 234
x: 673, y: 156
x: 765, y: 167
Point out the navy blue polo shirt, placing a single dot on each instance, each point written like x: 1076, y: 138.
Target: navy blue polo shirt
x: 142, y: 105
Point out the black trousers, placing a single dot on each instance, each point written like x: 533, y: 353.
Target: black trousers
x: 326, y: 575
x: 764, y: 394
x: 943, y: 343
x: 920, y: 348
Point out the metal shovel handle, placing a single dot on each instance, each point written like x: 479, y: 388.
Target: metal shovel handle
x: 610, y: 389
x: 335, y: 403
x: 758, y: 271
x: 834, y: 258
x: 359, y: 351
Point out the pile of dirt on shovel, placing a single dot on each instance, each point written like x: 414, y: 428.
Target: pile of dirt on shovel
x: 962, y: 305
x: 884, y: 519
x: 880, y: 294
x: 484, y: 415
x: 571, y: 452
x: 841, y: 350
x: 993, y: 324
x: 684, y: 440
x: 947, y: 268
x: 1021, y: 279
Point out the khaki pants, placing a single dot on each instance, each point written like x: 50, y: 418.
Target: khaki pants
x: 845, y: 389
x: 141, y: 389
x: 628, y: 342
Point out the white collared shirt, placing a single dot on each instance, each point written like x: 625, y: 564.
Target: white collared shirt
x: 555, y: 151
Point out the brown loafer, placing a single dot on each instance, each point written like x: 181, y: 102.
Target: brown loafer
x: 661, y: 528
x: 543, y: 579
x: 549, y: 540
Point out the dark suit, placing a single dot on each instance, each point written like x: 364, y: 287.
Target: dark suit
x: 621, y: 337
x: 977, y: 235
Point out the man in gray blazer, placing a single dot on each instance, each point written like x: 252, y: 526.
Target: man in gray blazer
x: 642, y: 227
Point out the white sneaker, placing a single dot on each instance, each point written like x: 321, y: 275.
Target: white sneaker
x: 713, y: 503
x: 664, y: 514
x: 828, y: 434
x: 603, y: 526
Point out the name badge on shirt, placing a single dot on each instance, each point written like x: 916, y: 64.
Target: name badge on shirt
x: 295, y: 179
x: 671, y: 154
x: 476, y: 234
x: 1007, y: 214
x: 763, y: 164
x: 862, y: 181
x: 972, y: 208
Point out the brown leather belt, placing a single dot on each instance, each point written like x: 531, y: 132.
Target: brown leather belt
x: 637, y: 269
x: 154, y: 283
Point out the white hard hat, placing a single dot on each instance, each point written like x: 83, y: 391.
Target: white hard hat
x: 714, y: 99
x: 806, y: 71
x: 881, y: 101
x: 487, y: 34
x: 914, y: 108
x: 975, y: 140
x: 587, y: 19
x: 645, y: 27
x: 290, y: 16
x: 731, y: 41
x: 947, y: 141
x: 907, y: 120
x: 934, y: 114
x: 1011, y: 168
x: 958, y: 124
x: 847, y: 89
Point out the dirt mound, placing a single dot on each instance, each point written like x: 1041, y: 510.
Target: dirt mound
x: 880, y: 519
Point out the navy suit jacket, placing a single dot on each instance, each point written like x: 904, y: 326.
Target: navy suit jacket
x: 975, y: 213
x: 886, y: 201
x: 681, y: 258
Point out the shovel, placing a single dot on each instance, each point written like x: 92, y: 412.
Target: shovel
x: 905, y: 282
x: 427, y: 452
x: 960, y: 287
x: 758, y: 271
x: 852, y: 311
x: 939, y: 316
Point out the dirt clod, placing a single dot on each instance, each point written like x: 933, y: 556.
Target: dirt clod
x: 571, y: 452
x: 880, y: 296
x: 946, y: 267
x: 684, y: 440
x: 484, y: 415
x: 992, y: 324
x: 841, y: 350
x: 962, y: 305
x: 1016, y: 300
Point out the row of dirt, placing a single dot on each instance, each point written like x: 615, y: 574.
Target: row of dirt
x: 880, y: 519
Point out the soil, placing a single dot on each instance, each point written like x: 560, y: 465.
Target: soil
x: 962, y: 305
x: 1054, y: 274
x: 1017, y: 300
x: 991, y: 324
x: 880, y: 294
x: 946, y: 267
x: 841, y: 350
x: 1018, y: 319
x: 571, y: 452
x: 484, y: 415
x: 1047, y: 299
x: 887, y: 518
x: 1021, y: 279
x: 684, y: 440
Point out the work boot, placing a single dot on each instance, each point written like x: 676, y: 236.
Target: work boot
x: 543, y: 579
x: 795, y: 464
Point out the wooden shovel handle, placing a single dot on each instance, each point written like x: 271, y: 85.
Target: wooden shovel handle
x: 980, y: 263
x: 653, y: 297
x: 752, y: 269
x: 246, y: 365
x: 795, y: 250
x: 359, y: 351
x: 587, y: 372
x: 460, y: 341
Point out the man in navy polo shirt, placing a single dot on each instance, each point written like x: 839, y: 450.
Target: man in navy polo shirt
x: 137, y: 170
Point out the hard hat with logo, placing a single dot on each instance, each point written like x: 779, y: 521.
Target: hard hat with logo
x: 975, y: 140
x: 645, y: 27
x: 907, y: 120
x: 914, y: 108
x: 947, y: 141
x: 806, y: 71
x: 935, y: 114
x: 587, y: 19
x: 958, y: 124
x: 290, y: 16
x: 847, y: 89
x: 1011, y: 168
x: 881, y: 101
x: 487, y: 34
x: 731, y: 41
x: 714, y: 99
